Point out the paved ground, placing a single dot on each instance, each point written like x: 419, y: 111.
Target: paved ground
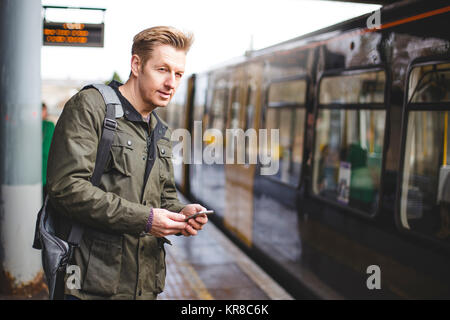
x: 206, y: 267
x: 209, y: 266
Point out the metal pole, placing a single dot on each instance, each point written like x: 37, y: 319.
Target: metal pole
x: 20, y: 145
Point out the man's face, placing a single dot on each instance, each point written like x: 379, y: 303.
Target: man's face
x: 159, y: 78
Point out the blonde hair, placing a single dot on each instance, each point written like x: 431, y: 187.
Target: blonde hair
x: 145, y: 41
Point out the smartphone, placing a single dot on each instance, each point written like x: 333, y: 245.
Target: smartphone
x: 198, y: 214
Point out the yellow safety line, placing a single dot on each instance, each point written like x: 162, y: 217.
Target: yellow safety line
x: 191, y: 276
x: 195, y: 282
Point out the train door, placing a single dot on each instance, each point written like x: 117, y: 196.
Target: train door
x: 215, y: 119
x: 198, y: 125
x: 186, y: 124
x: 241, y: 144
x: 175, y: 114
x: 277, y: 193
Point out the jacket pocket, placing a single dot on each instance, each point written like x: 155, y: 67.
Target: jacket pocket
x: 165, y: 159
x: 122, y: 154
x: 164, y: 150
x: 103, y: 269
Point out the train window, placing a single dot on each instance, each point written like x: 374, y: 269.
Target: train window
x: 349, y: 140
x: 250, y: 108
x: 235, y: 108
x: 219, y: 103
x: 297, y: 153
x: 286, y: 112
x: 353, y: 89
x: 287, y: 92
x: 429, y: 83
x: 425, y: 186
x: 291, y: 141
x: 248, y: 120
x: 201, y: 85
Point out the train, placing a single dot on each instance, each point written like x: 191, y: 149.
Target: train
x: 359, y: 205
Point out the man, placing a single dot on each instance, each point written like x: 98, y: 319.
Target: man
x: 121, y: 254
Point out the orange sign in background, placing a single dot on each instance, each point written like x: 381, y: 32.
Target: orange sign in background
x: 73, y: 34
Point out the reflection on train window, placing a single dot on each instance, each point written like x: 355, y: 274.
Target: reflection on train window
x: 430, y: 83
x: 348, y: 156
x: 235, y: 108
x: 353, y: 89
x: 287, y: 92
x: 218, y: 110
x: 425, y: 195
x: 250, y: 108
x: 200, y: 97
x: 199, y: 114
x: 290, y: 122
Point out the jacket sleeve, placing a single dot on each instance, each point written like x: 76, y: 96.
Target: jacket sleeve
x: 71, y: 164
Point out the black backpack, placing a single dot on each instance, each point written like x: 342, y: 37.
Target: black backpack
x: 56, y: 252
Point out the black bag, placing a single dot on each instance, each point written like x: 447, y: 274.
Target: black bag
x: 56, y: 252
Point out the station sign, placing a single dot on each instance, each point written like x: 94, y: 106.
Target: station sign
x: 73, y: 34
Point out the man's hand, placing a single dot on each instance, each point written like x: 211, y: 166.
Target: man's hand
x: 166, y: 223
x: 194, y: 224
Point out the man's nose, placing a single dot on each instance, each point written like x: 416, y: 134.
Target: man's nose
x: 170, y: 81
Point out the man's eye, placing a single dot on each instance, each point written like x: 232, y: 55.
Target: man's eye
x: 179, y: 75
x: 162, y: 69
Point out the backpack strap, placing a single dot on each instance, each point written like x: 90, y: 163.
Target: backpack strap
x: 113, y: 110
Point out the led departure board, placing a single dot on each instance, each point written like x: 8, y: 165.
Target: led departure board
x: 73, y: 34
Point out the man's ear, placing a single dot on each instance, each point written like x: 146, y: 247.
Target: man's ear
x: 135, y: 64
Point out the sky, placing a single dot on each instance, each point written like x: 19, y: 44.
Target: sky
x: 222, y: 30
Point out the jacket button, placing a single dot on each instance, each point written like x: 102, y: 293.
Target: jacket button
x: 163, y: 151
x: 129, y: 142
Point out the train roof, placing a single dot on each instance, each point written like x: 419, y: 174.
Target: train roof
x: 394, y: 10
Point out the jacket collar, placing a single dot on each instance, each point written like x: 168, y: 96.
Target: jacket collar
x: 131, y: 114
x: 160, y: 128
x: 129, y: 111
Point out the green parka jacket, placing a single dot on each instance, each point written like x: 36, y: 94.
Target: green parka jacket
x: 116, y: 259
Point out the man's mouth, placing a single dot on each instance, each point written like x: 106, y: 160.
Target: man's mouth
x: 165, y: 95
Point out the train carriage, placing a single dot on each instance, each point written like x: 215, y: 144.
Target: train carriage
x: 363, y: 180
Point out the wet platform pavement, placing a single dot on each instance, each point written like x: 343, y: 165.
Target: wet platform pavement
x: 209, y: 266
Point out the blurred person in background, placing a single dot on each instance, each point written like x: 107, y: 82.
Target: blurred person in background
x: 48, y: 127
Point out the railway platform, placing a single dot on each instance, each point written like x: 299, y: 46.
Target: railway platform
x: 209, y: 266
